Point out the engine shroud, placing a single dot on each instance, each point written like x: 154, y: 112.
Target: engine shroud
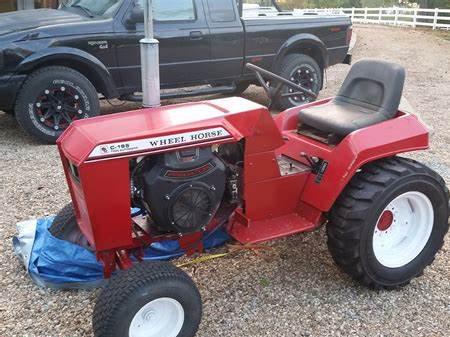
x: 184, y: 189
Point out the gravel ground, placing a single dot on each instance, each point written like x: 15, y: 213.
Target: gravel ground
x: 292, y: 290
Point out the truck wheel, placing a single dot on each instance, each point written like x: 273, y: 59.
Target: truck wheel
x: 51, y: 99
x: 151, y: 299
x: 389, y: 222
x: 303, y: 70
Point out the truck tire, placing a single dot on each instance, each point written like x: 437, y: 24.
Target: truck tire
x: 304, y: 70
x: 389, y: 223
x: 51, y: 98
x: 150, y: 299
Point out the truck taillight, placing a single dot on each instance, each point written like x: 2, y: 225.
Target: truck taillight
x: 349, y: 35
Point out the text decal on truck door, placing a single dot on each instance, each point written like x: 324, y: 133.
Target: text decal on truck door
x: 149, y: 144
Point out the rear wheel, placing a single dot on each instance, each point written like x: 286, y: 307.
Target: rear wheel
x: 389, y: 223
x: 303, y: 70
x: 152, y: 299
x: 51, y: 99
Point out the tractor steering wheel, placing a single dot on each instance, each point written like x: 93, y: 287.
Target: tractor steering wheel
x: 274, y: 92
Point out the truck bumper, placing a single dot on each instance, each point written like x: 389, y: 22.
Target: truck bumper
x: 337, y: 55
x: 9, y: 89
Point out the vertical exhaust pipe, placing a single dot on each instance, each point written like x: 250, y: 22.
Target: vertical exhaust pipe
x: 151, y: 90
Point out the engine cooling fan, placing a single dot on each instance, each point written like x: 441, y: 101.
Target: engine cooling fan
x: 192, y: 207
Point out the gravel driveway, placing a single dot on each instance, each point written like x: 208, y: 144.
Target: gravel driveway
x: 292, y: 290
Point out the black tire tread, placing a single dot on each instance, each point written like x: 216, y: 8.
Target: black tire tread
x: 124, y: 284
x: 349, y: 211
x: 64, y: 217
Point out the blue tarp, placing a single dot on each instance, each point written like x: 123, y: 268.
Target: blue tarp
x: 55, y: 263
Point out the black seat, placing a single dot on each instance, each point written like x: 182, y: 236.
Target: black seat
x: 370, y: 94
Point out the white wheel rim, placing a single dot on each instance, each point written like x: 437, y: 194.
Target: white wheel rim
x: 403, y: 229
x: 161, y: 317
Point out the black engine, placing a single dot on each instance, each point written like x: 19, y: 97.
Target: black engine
x: 181, y: 190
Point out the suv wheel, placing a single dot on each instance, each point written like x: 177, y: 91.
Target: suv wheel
x: 51, y: 99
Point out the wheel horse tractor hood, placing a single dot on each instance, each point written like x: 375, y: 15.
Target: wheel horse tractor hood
x: 155, y: 130
x: 96, y: 154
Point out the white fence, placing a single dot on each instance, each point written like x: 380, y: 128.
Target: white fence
x: 413, y: 17
x: 397, y: 16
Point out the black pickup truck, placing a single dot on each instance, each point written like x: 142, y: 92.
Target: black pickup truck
x: 55, y: 64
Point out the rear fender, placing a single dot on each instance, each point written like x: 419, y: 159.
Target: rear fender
x: 79, y: 60
x: 399, y: 135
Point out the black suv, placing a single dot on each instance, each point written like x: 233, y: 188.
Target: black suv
x: 55, y: 64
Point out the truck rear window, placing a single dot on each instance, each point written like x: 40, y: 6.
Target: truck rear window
x: 221, y: 10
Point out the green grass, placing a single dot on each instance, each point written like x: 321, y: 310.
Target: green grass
x: 264, y: 282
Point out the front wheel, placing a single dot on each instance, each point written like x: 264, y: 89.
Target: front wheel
x: 152, y: 299
x: 389, y: 223
x: 51, y: 99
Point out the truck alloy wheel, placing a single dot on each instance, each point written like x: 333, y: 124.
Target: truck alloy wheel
x: 302, y: 70
x: 389, y: 223
x: 58, y: 106
x: 51, y: 99
x: 152, y: 299
x: 306, y: 76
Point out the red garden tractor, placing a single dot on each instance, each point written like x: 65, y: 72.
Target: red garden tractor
x: 191, y: 169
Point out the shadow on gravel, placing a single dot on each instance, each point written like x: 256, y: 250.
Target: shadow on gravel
x: 11, y: 134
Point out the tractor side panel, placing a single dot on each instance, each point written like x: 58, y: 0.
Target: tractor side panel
x: 275, y: 197
x: 106, y: 204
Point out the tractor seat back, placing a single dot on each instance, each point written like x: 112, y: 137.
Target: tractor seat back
x: 370, y: 94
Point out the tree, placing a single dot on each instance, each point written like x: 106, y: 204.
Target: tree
x: 434, y: 3
x: 378, y: 3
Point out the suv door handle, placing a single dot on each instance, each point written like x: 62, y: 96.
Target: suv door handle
x: 197, y: 35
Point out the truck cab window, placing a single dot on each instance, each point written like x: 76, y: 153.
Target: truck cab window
x: 97, y: 8
x: 172, y: 10
x: 221, y: 10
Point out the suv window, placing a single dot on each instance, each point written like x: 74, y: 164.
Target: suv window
x: 172, y: 10
x: 221, y: 10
